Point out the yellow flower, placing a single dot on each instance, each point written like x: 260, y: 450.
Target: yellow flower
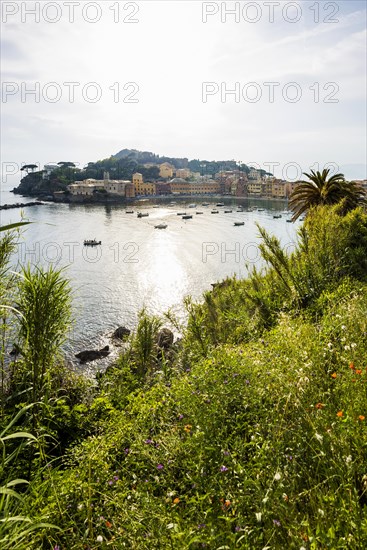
x: 176, y: 500
x: 361, y: 417
x: 340, y: 414
x: 334, y: 375
x: 187, y: 428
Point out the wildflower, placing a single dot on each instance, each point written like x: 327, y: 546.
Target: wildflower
x: 319, y: 406
x: 57, y: 547
x: 110, y: 482
x: 159, y: 466
x: 277, y: 476
x: 148, y: 441
x: 108, y: 524
x: 227, y: 503
x: 339, y: 414
x: 334, y: 375
x: 126, y: 451
x: 201, y: 526
x: 223, y: 469
x: 99, y: 538
x: 351, y: 366
x: 176, y: 501
x: 353, y: 345
x: 115, y: 478
x: 258, y: 516
x: 187, y: 428
x: 358, y: 371
x: 276, y: 522
x: 237, y: 528
x: 285, y: 497
x: 226, y: 453
x: 319, y: 437
x: 361, y: 417
x: 180, y: 416
x: 348, y: 460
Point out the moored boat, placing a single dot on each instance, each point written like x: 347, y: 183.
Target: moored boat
x: 186, y: 217
x: 277, y: 216
x: 239, y: 223
x: 91, y: 242
x: 142, y: 214
x: 215, y: 212
x: 160, y: 226
x: 228, y: 211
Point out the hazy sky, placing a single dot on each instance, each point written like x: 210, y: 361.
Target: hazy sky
x: 297, y: 71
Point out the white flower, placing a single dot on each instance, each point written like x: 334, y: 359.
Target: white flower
x: 348, y: 460
x: 99, y: 538
x: 330, y: 345
x: 318, y: 437
x: 258, y: 516
x: 343, y: 327
x: 347, y: 347
x: 80, y: 507
x: 277, y: 476
x: 353, y: 345
x: 321, y: 512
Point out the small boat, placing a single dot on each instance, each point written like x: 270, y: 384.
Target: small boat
x: 239, y: 223
x: 199, y: 212
x: 192, y: 205
x: 204, y: 204
x: 91, y: 242
x: 288, y: 221
x: 215, y: 212
x: 260, y: 209
x: 129, y: 211
x: 142, y: 214
x: 277, y: 216
x: 160, y: 226
x: 220, y: 204
x: 181, y: 213
x: 228, y: 211
x: 239, y: 210
x: 186, y: 217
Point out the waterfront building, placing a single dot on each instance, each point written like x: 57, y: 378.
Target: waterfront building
x: 183, y: 173
x: 165, y: 170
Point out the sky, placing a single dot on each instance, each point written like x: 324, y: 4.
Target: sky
x: 276, y: 84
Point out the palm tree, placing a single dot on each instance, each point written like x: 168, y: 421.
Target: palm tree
x: 321, y: 190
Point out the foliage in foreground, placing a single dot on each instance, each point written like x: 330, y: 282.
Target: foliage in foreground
x: 258, y: 445
x: 251, y: 434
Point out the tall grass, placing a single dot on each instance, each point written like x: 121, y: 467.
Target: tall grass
x: 44, y: 304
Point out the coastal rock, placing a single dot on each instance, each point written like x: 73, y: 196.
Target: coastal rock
x: 165, y: 338
x: 121, y: 332
x: 92, y: 354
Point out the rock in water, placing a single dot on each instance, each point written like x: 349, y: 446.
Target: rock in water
x: 92, y: 354
x: 121, y: 332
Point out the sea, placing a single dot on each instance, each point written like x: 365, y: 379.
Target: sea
x: 137, y: 265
